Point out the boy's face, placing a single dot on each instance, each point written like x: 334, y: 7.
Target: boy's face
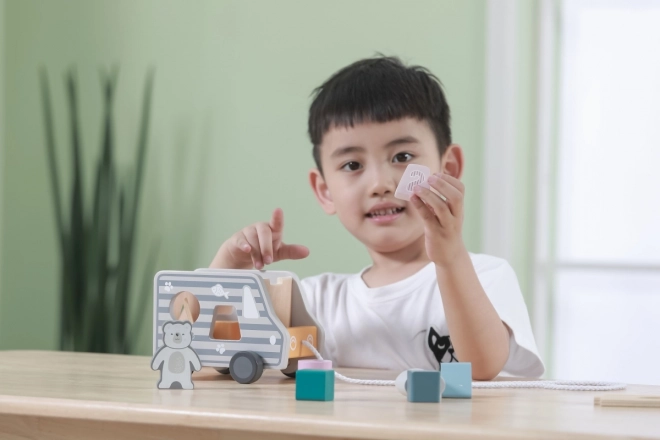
x: 362, y: 166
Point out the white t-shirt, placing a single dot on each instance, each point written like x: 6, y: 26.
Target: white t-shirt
x: 402, y: 325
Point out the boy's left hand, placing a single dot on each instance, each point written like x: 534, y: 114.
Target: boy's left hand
x: 443, y: 220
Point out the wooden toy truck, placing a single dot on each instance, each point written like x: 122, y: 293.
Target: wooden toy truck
x: 242, y: 320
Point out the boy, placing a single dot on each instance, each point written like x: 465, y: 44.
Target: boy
x: 367, y: 123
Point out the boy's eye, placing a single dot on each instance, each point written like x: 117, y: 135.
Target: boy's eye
x: 351, y: 166
x: 403, y: 157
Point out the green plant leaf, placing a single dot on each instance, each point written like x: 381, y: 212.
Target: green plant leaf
x: 78, y: 235
x: 51, y: 156
x: 67, y: 293
x: 130, y: 222
x: 94, y: 290
x: 102, y: 216
x: 66, y: 305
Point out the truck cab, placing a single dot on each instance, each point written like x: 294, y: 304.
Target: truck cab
x: 242, y: 320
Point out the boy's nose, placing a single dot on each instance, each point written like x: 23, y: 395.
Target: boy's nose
x: 383, y: 182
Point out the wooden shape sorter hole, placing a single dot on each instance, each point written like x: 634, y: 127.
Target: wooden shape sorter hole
x: 184, y: 307
x: 225, y: 324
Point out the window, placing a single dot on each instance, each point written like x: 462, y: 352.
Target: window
x: 604, y: 271
x: 225, y: 324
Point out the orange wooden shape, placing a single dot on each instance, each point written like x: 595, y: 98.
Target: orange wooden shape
x: 298, y: 334
x: 226, y: 330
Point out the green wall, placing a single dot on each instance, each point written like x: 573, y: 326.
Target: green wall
x: 2, y: 129
x: 228, y: 141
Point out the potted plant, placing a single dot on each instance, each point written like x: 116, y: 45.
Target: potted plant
x: 97, y: 231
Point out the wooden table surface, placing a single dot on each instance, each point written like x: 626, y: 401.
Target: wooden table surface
x: 71, y: 395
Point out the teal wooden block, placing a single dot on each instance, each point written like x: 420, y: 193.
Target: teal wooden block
x: 423, y: 386
x: 458, y: 379
x: 315, y: 385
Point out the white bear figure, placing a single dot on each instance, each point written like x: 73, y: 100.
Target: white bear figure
x: 175, y: 357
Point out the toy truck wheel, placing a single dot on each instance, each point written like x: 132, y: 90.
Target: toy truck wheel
x: 222, y: 370
x: 290, y: 370
x: 246, y: 367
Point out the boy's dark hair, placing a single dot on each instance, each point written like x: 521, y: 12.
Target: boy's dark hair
x: 379, y: 89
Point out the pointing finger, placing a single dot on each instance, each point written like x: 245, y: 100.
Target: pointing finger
x: 277, y: 221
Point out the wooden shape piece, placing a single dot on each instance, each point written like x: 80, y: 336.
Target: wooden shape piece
x: 315, y: 385
x: 423, y: 386
x: 280, y: 298
x: 298, y: 334
x: 458, y: 379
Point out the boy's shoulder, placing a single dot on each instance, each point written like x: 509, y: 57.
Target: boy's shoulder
x: 324, y: 288
x: 325, y: 280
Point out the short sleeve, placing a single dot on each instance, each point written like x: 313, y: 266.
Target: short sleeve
x: 500, y: 283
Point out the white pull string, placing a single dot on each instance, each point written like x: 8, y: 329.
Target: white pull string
x: 349, y: 379
x: 568, y: 385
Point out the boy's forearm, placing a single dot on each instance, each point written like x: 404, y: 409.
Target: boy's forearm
x: 477, y: 333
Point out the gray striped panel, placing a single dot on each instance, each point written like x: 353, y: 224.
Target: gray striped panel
x: 205, y: 292
x: 257, y: 341
x: 201, y: 328
x: 203, y: 334
x: 201, y: 341
x: 221, y: 360
x: 205, y: 279
x: 202, y: 318
x: 239, y: 346
x: 205, y: 288
x: 245, y: 333
x: 211, y: 361
x: 251, y: 332
x: 218, y: 300
x: 164, y: 315
x: 209, y: 306
x: 230, y: 353
x: 256, y: 333
x: 261, y: 323
x: 213, y: 355
x: 208, y: 312
x: 235, y: 347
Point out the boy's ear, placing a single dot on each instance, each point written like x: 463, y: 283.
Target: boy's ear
x: 321, y: 191
x: 453, y: 160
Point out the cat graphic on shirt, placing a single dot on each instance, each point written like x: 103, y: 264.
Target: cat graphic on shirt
x: 441, y: 347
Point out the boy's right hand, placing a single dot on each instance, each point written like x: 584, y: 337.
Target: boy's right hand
x: 258, y: 245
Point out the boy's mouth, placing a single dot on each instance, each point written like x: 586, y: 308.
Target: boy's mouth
x: 385, y: 212
x: 385, y: 215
